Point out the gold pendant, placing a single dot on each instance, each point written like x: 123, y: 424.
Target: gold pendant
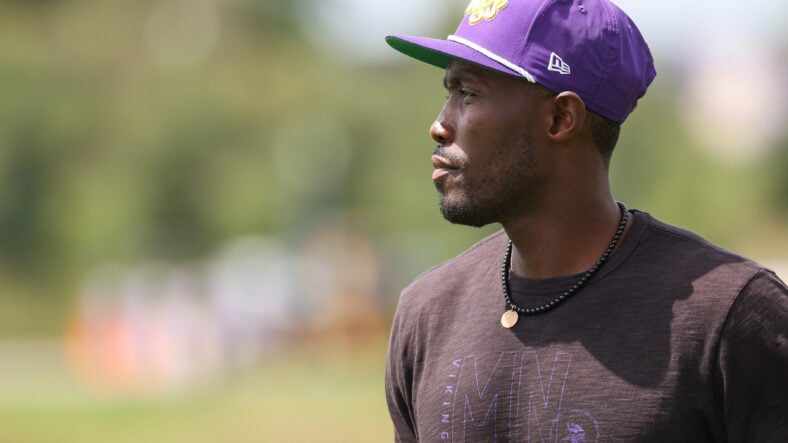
x: 509, y: 318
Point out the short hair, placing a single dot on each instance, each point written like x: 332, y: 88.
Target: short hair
x: 605, y: 133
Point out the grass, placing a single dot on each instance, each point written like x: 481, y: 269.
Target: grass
x: 324, y: 396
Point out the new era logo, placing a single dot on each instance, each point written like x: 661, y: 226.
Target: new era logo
x: 558, y: 65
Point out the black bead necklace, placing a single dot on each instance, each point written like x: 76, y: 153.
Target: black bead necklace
x: 512, y: 314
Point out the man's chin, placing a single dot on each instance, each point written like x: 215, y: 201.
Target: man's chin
x: 460, y: 214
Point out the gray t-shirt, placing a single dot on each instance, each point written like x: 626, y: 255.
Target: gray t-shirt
x: 674, y: 339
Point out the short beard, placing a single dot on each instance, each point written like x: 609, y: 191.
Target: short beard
x: 477, y: 208
x: 463, y: 213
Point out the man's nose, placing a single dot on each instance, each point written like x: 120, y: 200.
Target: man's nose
x: 441, y: 130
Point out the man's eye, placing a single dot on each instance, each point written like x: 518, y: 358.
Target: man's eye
x: 462, y: 93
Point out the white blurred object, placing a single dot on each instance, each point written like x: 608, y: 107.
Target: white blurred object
x: 158, y: 327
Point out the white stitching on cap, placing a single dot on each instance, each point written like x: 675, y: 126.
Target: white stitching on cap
x: 493, y: 56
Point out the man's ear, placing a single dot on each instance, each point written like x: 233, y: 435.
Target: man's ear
x: 568, y: 116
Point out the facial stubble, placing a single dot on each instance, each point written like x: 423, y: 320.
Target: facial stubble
x: 491, y: 198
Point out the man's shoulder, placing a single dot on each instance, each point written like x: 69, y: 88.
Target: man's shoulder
x: 679, y: 248
x: 689, y: 241
x: 483, y: 255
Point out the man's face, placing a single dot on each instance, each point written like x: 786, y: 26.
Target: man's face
x: 487, y: 159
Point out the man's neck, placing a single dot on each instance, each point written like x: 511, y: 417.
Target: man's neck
x: 563, y: 240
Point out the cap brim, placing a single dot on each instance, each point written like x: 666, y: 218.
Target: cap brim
x: 440, y: 52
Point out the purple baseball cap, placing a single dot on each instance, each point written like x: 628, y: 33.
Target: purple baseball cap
x: 590, y: 47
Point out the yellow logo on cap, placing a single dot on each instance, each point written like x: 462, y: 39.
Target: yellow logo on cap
x: 480, y: 10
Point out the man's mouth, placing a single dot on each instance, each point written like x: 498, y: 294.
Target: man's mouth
x: 443, y: 167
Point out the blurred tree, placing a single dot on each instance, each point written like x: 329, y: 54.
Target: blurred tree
x: 24, y: 182
x: 115, y: 146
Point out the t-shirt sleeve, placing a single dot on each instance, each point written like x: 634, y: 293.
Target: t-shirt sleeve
x: 753, y: 362
x: 399, y: 382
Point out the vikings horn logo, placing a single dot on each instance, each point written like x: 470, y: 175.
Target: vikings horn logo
x: 480, y: 10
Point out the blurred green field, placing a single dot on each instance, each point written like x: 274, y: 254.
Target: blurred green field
x: 329, y: 395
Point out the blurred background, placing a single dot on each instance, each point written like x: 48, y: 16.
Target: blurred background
x: 208, y: 207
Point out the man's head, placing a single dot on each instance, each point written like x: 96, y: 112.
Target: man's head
x: 506, y: 146
x: 537, y: 92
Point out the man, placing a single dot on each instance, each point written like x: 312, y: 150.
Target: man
x: 581, y: 320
